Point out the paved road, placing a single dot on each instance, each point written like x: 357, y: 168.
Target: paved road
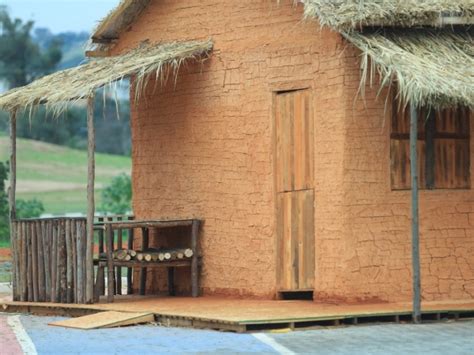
x: 33, y: 335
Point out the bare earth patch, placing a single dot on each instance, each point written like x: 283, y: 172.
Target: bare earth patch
x: 24, y: 186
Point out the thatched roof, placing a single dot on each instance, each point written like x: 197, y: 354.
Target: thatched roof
x: 430, y: 66
x: 147, y: 61
x: 349, y: 14
x: 118, y: 20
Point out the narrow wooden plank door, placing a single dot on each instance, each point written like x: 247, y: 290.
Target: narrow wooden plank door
x: 294, y: 153
x: 294, y: 181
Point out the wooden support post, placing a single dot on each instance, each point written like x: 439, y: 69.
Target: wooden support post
x: 143, y: 270
x: 430, y: 128
x: 69, y: 263
x: 34, y: 260
x: 118, y: 281
x: 46, y: 231
x: 111, y: 219
x: 62, y: 261
x: 41, y: 272
x: 101, y: 236
x: 29, y: 258
x: 109, y: 235
x: 79, y: 263
x: 414, y: 215
x: 195, y: 258
x: 90, y: 200
x: 23, y: 263
x: 16, y: 260
x: 12, y: 203
x: 12, y: 190
x: 101, y: 252
x: 171, y: 289
x: 99, y: 284
x: 130, y: 270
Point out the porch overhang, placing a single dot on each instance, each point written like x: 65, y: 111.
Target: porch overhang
x: 432, y: 67
x: 58, y: 90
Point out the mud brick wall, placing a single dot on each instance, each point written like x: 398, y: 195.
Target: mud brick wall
x: 203, y: 148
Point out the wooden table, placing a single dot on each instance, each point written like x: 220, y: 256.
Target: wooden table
x: 145, y: 226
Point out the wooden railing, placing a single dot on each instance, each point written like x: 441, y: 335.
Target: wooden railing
x: 49, y: 260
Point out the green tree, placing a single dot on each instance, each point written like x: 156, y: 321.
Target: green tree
x: 22, y: 60
x: 116, y: 198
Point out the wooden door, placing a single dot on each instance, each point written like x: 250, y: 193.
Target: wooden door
x: 294, y: 181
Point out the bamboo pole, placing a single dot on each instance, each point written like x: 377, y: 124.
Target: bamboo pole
x: 90, y: 200
x: 415, y: 215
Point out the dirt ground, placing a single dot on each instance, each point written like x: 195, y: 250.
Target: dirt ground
x: 5, y: 254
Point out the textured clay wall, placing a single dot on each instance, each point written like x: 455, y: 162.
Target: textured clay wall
x: 368, y: 256
x: 203, y: 148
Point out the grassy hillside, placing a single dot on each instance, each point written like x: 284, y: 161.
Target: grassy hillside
x: 57, y: 176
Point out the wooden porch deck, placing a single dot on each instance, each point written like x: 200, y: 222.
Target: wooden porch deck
x: 250, y: 315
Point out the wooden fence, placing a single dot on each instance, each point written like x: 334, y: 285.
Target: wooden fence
x: 49, y: 263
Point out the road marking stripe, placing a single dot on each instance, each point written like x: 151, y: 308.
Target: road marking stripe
x: 22, y: 336
x: 273, y: 344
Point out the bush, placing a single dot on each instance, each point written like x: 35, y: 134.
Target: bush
x: 29, y: 209
x: 116, y: 198
x: 24, y: 209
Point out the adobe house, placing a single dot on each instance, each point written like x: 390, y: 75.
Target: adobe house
x: 302, y: 173
x: 292, y: 141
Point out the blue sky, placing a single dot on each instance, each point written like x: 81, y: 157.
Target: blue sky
x: 61, y: 15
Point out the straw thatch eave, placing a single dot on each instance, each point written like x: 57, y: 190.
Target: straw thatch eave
x: 118, y: 20
x: 344, y: 15
x: 430, y: 66
x: 58, y: 90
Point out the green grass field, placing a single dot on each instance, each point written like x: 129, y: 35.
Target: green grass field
x: 57, y: 175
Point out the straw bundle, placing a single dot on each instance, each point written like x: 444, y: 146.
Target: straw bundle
x: 56, y: 91
x: 349, y: 14
x: 430, y: 67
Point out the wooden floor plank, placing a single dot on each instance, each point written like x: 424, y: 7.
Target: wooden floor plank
x: 105, y: 320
